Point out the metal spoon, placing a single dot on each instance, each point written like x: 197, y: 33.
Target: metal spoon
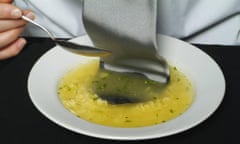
x: 76, y: 48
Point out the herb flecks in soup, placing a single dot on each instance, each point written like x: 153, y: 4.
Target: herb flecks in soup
x: 77, y: 93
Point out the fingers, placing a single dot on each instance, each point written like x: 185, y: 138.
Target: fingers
x: 9, y: 36
x: 10, y: 24
x: 11, y: 29
x: 28, y: 14
x: 8, y: 11
x: 13, y: 49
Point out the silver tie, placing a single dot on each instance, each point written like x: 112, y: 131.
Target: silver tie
x: 128, y: 29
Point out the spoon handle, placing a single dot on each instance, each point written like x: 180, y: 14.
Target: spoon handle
x: 73, y: 47
x: 38, y: 25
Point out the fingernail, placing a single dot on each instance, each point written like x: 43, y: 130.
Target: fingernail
x: 16, y: 13
x: 30, y: 15
x: 21, y: 43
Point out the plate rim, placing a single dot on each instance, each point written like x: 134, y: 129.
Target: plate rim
x: 97, y: 135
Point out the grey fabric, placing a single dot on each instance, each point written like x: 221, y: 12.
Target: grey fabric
x: 129, y: 29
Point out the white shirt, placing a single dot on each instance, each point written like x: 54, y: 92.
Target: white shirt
x: 196, y: 21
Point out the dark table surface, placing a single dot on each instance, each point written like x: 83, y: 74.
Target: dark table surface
x: 21, y: 122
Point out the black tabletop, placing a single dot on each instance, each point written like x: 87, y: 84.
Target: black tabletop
x: 21, y: 122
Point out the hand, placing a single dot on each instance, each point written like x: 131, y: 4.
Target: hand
x: 11, y: 26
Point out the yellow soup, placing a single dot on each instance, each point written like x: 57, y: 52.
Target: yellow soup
x: 77, y: 95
